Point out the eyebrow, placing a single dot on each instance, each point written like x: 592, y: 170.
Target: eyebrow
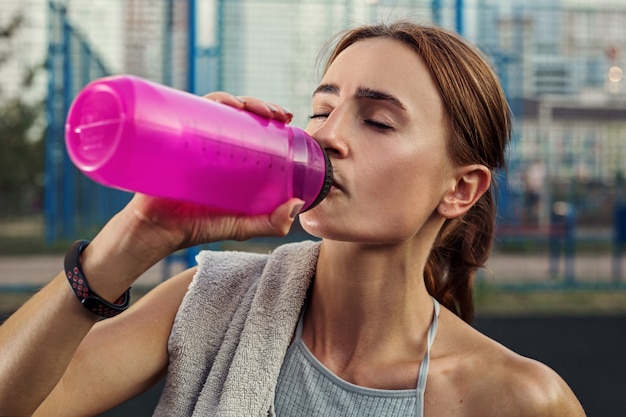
x: 361, y: 92
x: 327, y: 89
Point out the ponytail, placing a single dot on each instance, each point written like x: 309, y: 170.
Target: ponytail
x: 462, y: 246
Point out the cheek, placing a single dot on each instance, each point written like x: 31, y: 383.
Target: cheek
x: 392, y: 196
x: 410, y: 189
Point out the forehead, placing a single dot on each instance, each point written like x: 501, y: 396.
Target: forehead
x: 387, y: 65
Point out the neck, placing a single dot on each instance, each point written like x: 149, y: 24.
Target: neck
x: 367, y: 304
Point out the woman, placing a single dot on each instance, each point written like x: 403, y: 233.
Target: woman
x: 371, y: 321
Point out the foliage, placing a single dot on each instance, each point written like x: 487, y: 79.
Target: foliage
x: 21, y: 139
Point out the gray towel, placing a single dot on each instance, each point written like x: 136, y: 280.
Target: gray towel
x: 233, y: 329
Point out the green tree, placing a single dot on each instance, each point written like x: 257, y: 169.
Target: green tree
x: 21, y: 137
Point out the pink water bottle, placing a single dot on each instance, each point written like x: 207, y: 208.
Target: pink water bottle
x: 136, y: 135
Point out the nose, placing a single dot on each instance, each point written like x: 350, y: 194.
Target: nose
x: 332, y: 135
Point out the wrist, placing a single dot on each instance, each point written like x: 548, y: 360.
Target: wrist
x: 118, y: 255
x: 91, y: 300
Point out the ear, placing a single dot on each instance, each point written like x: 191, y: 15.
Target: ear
x: 471, y: 183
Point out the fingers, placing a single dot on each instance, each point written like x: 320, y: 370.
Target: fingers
x: 283, y: 217
x: 175, y: 225
x: 226, y: 98
x: 265, y: 109
x: 277, y: 223
x: 253, y: 105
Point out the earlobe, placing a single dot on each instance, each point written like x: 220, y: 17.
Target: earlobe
x: 472, y: 182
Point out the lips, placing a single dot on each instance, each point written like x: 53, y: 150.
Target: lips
x: 335, y: 184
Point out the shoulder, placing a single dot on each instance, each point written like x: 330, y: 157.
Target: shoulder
x: 530, y: 388
x: 500, y: 382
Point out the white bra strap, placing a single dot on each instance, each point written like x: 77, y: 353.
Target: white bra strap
x: 423, y: 371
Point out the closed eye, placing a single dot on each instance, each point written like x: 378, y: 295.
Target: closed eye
x: 318, y: 116
x: 378, y: 125
x: 372, y: 123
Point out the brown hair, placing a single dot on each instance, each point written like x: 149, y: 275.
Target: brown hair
x: 480, y: 129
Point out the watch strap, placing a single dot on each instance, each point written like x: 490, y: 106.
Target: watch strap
x: 78, y: 282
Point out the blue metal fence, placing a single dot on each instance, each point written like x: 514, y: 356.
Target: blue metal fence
x: 208, y: 45
x: 73, y: 204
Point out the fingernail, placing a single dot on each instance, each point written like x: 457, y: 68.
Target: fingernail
x: 287, y: 113
x: 272, y: 108
x: 239, y: 99
x: 296, y: 210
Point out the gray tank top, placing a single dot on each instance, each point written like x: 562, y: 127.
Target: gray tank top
x: 307, y: 388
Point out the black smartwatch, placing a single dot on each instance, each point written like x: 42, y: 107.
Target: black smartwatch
x: 88, y: 298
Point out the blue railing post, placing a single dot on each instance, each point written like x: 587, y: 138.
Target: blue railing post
x: 459, y: 16
x: 168, y: 42
x: 192, y: 43
x: 435, y: 7
x: 68, y: 213
x: 51, y: 146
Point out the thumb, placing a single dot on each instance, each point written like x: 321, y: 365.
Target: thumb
x: 283, y: 217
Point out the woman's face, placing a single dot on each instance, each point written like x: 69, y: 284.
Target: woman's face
x: 379, y: 115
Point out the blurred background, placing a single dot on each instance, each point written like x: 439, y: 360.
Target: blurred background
x: 553, y: 288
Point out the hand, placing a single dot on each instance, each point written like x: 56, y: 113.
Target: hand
x: 175, y: 225
x: 182, y: 225
x: 151, y: 228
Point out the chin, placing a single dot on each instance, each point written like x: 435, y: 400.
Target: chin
x: 321, y: 223
x: 350, y: 233
x: 311, y: 225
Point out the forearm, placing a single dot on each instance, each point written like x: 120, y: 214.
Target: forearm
x: 38, y: 341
